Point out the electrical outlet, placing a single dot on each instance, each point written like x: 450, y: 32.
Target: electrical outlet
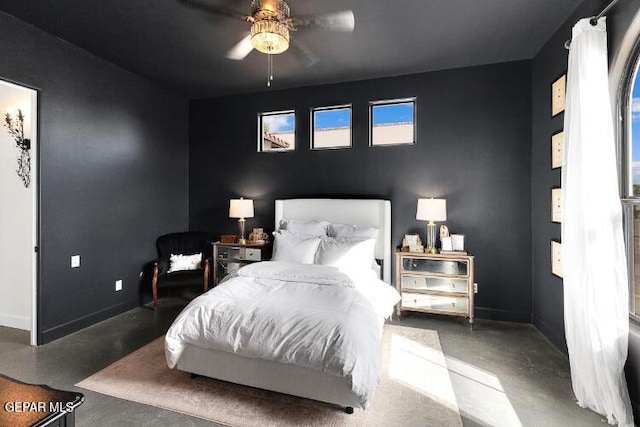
x: 118, y: 285
x: 475, y: 288
x: 75, y: 261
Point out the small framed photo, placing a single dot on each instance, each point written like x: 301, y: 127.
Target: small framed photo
x: 558, y: 95
x: 457, y: 242
x: 556, y: 205
x: 556, y: 258
x: 557, y: 150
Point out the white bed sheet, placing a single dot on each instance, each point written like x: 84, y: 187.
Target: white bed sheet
x: 308, y: 315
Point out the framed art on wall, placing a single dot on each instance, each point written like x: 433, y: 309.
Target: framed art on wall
x: 556, y: 258
x: 556, y: 205
x: 557, y: 150
x: 558, y: 95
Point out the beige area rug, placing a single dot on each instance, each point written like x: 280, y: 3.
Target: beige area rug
x: 415, y: 390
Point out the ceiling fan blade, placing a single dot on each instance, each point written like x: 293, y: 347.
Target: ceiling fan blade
x: 216, y: 9
x: 302, y: 53
x: 335, y: 21
x: 241, y: 49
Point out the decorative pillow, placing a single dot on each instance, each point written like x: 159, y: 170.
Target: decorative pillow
x: 292, y: 247
x: 184, y: 262
x: 347, y: 254
x: 340, y: 231
x: 307, y: 228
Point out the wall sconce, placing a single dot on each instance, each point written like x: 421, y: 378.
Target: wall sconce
x: 431, y: 210
x: 15, y: 127
x: 241, y: 208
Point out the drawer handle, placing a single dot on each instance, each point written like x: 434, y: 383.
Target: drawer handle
x: 415, y: 265
x: 415, y: 301
x: 453, y: 304
x: 453, y: 285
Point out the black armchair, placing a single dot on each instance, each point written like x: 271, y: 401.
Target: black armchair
x: 187, y: 243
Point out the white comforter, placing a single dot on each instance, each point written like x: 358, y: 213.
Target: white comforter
x: 308, y: 315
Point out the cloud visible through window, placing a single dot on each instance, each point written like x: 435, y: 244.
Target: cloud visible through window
x: 279, y: 122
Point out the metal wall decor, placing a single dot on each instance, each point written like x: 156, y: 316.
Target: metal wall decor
x: 15, y: 127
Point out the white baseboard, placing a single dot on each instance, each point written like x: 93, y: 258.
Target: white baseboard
x: 17, y: 322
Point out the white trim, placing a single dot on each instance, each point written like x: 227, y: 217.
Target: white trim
x: 17, y: 322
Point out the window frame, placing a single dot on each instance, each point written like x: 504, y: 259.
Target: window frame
x: 313, y: 110
x: 372, y: 104
x: 260, y: 124
x: 625, y: 171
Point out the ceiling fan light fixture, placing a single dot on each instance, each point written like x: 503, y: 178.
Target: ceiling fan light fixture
x: 269, y: 36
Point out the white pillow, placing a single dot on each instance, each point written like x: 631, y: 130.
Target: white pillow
x: 347, y: 254
x: 340, y: 231
x: 307, y: 228
x: 184, y: 262
x: 292, y: 247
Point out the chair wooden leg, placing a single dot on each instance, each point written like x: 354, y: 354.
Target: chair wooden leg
x: 206, y: 275
x: 154, y: 285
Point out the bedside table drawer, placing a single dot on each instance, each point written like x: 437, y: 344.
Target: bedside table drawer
x: 252, y: 254
x: 434, y: 266
x: 432, y: 302
x: 440, y: 284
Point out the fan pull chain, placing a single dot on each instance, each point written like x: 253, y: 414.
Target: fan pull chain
x: 269, y: 69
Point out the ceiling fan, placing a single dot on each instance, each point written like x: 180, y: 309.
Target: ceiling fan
x: 271, y: 23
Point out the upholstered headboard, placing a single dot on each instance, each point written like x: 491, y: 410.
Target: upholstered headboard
x: 364, y: 213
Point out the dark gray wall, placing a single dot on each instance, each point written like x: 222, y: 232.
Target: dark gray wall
x: 113, y: 174
x: 473, y: 149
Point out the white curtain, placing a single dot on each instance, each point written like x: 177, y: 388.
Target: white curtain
x: 595, y: 284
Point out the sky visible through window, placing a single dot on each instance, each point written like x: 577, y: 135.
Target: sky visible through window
x: 332, y: 119
x: 392, y: 113
x: 275, y: 123
x: 635, y: 135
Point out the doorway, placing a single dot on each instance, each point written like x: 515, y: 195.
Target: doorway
x: 18, y: 216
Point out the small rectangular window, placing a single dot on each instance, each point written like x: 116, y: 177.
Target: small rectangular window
x: 277, y: 131
x: 392, y: 122
x: 331, y: 127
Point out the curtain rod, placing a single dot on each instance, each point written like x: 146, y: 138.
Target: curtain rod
x: 594, y: 20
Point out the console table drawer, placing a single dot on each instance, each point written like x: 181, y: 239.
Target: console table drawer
x: 440, y: 284
x: 433, y: 302
x: 422, y: 265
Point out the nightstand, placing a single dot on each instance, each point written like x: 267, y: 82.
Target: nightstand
x: 435, y: 283
x: 229, y: 257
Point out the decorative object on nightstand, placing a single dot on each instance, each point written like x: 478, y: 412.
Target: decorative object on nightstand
x: 258, y: 236
x: 431, y: 210
x: 436, y: 283
x: 229, y: 257
x: 412, y: 243
x: 241, y: 208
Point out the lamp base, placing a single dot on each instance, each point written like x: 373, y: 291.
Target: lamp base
x: 431, y: 238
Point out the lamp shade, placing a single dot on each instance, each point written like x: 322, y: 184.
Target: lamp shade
x: 432, y: 210
x: 241, y: 208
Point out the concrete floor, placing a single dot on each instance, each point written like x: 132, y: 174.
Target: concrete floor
x: 503, y: 374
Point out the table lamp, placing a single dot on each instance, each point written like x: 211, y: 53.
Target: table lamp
x: 431, y: 210
x: 241, y: 208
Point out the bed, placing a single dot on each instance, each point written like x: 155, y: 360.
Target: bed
x: 244, y: 366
